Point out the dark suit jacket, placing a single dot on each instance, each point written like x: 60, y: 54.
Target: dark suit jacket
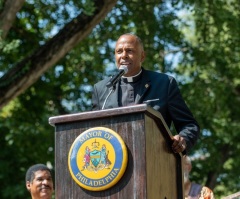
x: 170, y: 104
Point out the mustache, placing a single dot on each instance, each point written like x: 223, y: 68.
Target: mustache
x: 45, y: 187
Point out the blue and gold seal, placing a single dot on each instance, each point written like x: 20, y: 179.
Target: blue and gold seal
x: 97, y: 159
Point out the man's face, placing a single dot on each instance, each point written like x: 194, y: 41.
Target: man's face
x: 129, y: 52
x: 42, y: 185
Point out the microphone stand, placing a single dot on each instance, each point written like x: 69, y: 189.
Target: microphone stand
x: 112, y: 82
x: 112, y: 89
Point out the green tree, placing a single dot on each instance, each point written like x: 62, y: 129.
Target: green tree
x: 53, y: 52
x: 38, y: 58
x: 213, y: 63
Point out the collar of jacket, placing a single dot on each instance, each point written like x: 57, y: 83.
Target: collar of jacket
x: 145, y: 86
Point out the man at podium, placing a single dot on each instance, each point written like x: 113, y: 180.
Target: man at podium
x: 135, y: 85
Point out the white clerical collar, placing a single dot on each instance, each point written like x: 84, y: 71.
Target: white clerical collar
x: 132, y: 78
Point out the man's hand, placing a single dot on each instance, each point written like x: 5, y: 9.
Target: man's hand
x: 179, y: 144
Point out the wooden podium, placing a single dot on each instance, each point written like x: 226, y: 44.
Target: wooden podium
x: 153, y: 170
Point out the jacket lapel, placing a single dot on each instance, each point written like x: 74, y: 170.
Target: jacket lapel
x: 145, y: 86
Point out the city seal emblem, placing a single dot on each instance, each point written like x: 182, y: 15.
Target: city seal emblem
x: 97, y: 159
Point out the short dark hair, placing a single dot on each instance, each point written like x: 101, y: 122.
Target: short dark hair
x: 30, y: 174
x: 137, y: 38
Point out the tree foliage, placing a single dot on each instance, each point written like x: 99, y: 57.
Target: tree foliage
x: 213, y: 62
x: 52, y: 52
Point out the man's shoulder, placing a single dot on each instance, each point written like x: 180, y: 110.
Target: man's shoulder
x: 195, y: 188
x: 103, y: 81
x: 154, y: 74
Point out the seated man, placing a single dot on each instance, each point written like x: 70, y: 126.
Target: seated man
x: 39, y: 182
x: 193, y: 190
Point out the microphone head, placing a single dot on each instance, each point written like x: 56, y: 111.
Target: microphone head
x: 123, y: 67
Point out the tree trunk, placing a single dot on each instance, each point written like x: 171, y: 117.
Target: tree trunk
x: 213, y: 175
x: 26, y: 72
x: 8, y: 15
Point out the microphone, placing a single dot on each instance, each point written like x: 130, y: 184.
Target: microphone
x: 122, y: 70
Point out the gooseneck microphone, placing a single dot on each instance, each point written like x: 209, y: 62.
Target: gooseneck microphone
x: 122, y: 70
x: 112, y: 82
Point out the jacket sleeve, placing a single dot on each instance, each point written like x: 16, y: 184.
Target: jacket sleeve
x: 95, y: 101
x: 183, y: 120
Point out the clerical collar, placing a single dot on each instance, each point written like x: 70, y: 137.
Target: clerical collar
x: 132, y: 78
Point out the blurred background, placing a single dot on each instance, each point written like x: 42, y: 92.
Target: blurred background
x: 52, y: 53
